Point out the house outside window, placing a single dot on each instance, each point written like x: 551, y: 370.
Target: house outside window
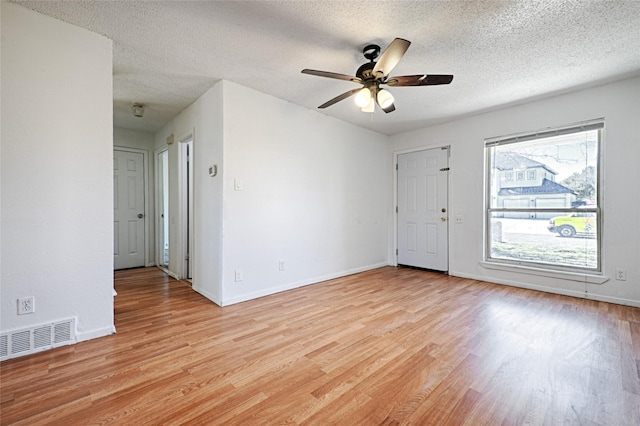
x: 551, y: 220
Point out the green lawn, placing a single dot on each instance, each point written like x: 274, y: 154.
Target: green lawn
x: 565, y: 256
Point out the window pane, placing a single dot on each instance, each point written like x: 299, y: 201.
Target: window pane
x: 566, y: 239
x: 561, y: 172
x: 542, y: 199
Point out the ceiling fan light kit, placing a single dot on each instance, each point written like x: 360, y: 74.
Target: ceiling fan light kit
x: 372, y: 74
x: 370, y: 107
x: 385, y: 98
x: 363, y: 97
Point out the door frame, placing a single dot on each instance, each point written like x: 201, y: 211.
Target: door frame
x: 394, y: 249
x: 158, y: 207
x: 148, y: 211
x: 185, y: 236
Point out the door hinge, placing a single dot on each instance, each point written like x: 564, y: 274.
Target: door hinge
x: 396, y: 166
x: 444, y: 169
x: 396, y: 252
x: 396, y: 209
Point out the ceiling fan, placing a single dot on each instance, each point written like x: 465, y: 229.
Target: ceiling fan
x: 373, y: 74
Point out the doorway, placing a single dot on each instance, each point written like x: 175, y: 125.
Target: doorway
x: 422, y: 191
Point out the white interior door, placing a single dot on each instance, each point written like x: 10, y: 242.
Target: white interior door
x: 422, y: 209
x: 128, y: 209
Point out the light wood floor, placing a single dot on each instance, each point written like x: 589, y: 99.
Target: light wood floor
x: 389, y: 346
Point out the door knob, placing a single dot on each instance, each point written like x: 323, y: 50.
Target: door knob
x: 444, y: 219
x: 140, y: 215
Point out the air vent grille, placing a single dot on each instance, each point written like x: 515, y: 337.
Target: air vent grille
x: 62, y: 331
x: 21, y: 341
x: 4, y: 346
x: 42, y: 337
x: 38, y: 338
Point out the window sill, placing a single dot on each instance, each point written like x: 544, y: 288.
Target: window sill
x: 571, y: 276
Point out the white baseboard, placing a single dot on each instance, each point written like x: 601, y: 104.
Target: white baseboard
x: 206, y: 294
x: 297, y: 284
x: 94, y: 334
x: 172, y: 274
x: 581, y: 294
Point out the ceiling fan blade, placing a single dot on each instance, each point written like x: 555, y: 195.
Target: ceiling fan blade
x: 332, y: 75
x: 339, y: 98
x: 419, y: 80
x: 390, y: 57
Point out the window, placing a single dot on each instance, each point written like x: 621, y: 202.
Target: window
x: 508, y: 176
x: 553, y: 223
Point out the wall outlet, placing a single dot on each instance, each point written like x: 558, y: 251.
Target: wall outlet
x: 459, y: 218
x: 281, y: 265
x: 26, y: 305
x: 621, y: 274
x: 239, y: 276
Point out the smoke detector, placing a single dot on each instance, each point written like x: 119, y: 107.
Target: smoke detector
x: 138, y: 109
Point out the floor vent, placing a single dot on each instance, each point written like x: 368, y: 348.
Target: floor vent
x: 35, y: 339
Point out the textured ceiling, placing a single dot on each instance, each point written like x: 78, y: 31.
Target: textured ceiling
x: 167, y: 54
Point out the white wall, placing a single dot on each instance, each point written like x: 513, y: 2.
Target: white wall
x: 143, y: 142
x: 137, y: 139
x: 57, y: 177
x: 316, y: 194
x: 619, y: 104
x: 202, y: 120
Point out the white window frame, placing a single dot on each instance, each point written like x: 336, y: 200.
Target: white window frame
x: 597, y: 124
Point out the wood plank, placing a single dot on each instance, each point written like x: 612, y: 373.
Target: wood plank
x: 389, y: 346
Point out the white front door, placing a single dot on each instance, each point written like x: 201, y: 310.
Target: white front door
x: 128, y: 209
x: 422, y: 209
